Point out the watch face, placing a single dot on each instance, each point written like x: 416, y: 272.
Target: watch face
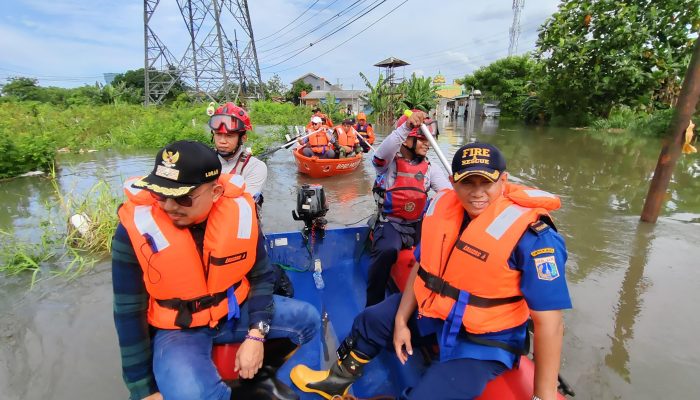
x: 263, y: 327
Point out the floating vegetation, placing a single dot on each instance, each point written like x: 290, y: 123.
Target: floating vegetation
x: 76, y: 235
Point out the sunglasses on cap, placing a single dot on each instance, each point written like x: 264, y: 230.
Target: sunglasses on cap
x: 184, y: 201
x: 230, y: 123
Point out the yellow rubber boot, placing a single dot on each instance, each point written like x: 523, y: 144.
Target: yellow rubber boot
x: 333, y: 382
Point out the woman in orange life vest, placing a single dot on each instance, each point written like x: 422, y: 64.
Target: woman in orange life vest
x: 366, y: 130
x: 489, y: 259
x: 320, y: 143
x: 189, y: 269
x: 347, y: 140
x: 404, y: 177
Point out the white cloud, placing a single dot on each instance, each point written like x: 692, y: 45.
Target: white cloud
x: 85, y: 38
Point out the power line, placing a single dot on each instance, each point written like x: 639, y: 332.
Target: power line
x: 317, y: 27
x: 301, y: 50
x: 294, y: 20
x: 350, y: 38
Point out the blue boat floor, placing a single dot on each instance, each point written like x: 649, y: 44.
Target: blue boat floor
x: 344, y: 261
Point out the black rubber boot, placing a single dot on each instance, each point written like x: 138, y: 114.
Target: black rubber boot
x: 333, y: 382
x: 265, y: 385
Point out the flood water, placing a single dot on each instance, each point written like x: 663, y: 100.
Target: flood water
x: 634, y: 287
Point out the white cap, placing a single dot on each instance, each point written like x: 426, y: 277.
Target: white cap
x: 316, y: 120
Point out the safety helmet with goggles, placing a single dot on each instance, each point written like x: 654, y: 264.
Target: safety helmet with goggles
x: 229, y: 118
x: 416, y: 131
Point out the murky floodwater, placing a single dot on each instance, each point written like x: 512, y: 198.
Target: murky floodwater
x: 634, y: 287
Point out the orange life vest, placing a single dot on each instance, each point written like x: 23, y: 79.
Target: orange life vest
x: 347, y: 137
x: 366, y: 131
x: 319, y: 141
x: 187, y: 289
x: 476, y: 261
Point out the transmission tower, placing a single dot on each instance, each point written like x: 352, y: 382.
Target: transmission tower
x: 515, y: 28
x: 212, y: 67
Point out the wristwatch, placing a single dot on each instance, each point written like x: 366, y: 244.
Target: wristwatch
x: 535, y: 397
x: 262, y: 326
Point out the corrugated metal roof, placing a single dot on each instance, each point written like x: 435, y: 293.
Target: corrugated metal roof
x: 339, y: 94
x: 391, y: 62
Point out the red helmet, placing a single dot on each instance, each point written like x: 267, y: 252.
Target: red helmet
x: 230, y: 118
x: 416, y: 132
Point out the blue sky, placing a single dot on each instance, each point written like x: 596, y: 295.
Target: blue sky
x: 72, y: 42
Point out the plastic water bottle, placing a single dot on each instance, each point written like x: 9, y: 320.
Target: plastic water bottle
x: 318, y: 279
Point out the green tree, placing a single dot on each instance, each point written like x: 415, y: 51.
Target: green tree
x: 275, y: 87
x: 508, y: 80
x: 22, y: 88
x: 331, y: 107
x: 135, y: 80
x: 417, y: 93
x: 294, y: 94
x: 379, y: 96
x: 598, y: 54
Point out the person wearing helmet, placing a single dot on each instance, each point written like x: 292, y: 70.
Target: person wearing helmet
x: 404, y: 177
x: 366, y: 130
x: 229, y: 126
x: 320, y: 142
x: 348, y: 142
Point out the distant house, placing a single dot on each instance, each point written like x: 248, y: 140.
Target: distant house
x: 316, y: 82
x: 342, y: 97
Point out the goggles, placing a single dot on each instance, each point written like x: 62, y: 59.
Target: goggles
x: 230, y: 123
x: 184, y: 201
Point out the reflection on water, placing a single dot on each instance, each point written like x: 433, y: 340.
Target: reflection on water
x: 634, y: 286
x: 629, y: 304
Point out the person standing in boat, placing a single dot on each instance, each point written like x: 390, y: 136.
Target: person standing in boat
x: 189, y: 270
x: 489, y: 260
x: 320, y: 143
x: 404, y: 177
x: 229, y: 126
x: 366, y: 130
x: 347, y: 140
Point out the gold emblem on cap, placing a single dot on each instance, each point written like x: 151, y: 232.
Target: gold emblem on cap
x: 170, y: 158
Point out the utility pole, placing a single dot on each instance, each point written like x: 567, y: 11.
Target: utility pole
x: 515, y: 27
x: 671, y: 150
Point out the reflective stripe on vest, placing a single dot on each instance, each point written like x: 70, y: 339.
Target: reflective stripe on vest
x: 245, y: 218
x: 505, y: 220
x: 146, y: 225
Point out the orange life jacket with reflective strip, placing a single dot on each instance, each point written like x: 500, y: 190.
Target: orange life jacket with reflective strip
x: 347, y: 137
x: 366, y: 131
x: 477, y: 260
x: 319, y: 141
x: 179, y: 281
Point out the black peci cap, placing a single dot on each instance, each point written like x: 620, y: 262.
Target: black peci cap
x: 180, y: 167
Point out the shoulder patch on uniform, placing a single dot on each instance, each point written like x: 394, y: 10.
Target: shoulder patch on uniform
x: 543, y: 250
x: 539, y: 226
x: 546, y: 268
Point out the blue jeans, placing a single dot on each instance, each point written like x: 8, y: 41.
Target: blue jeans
x: 182, y: 362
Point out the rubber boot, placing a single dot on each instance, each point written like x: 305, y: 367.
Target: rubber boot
x: 265, y: 385
x: 333, y: 382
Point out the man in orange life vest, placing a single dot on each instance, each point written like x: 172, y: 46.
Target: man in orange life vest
x: 320, y: 143
x: 190, y: 269
x: 366, y: 130
x: 347, y: 140
x: 404, y: 177
x: 489, y: 259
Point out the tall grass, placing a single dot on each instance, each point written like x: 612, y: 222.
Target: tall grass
x: 62, y: 250
x: 32, y: 132
x: 636, y: 123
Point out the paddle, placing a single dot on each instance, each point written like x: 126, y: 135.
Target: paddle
x: 286, y: 145
x: 365, y: 140
x: 433, y: 144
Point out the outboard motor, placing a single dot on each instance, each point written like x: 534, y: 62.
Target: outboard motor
x: 311, y: 208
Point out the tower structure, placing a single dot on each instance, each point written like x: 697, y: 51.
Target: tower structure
x: 515, y: 27
x: 214, y: 66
